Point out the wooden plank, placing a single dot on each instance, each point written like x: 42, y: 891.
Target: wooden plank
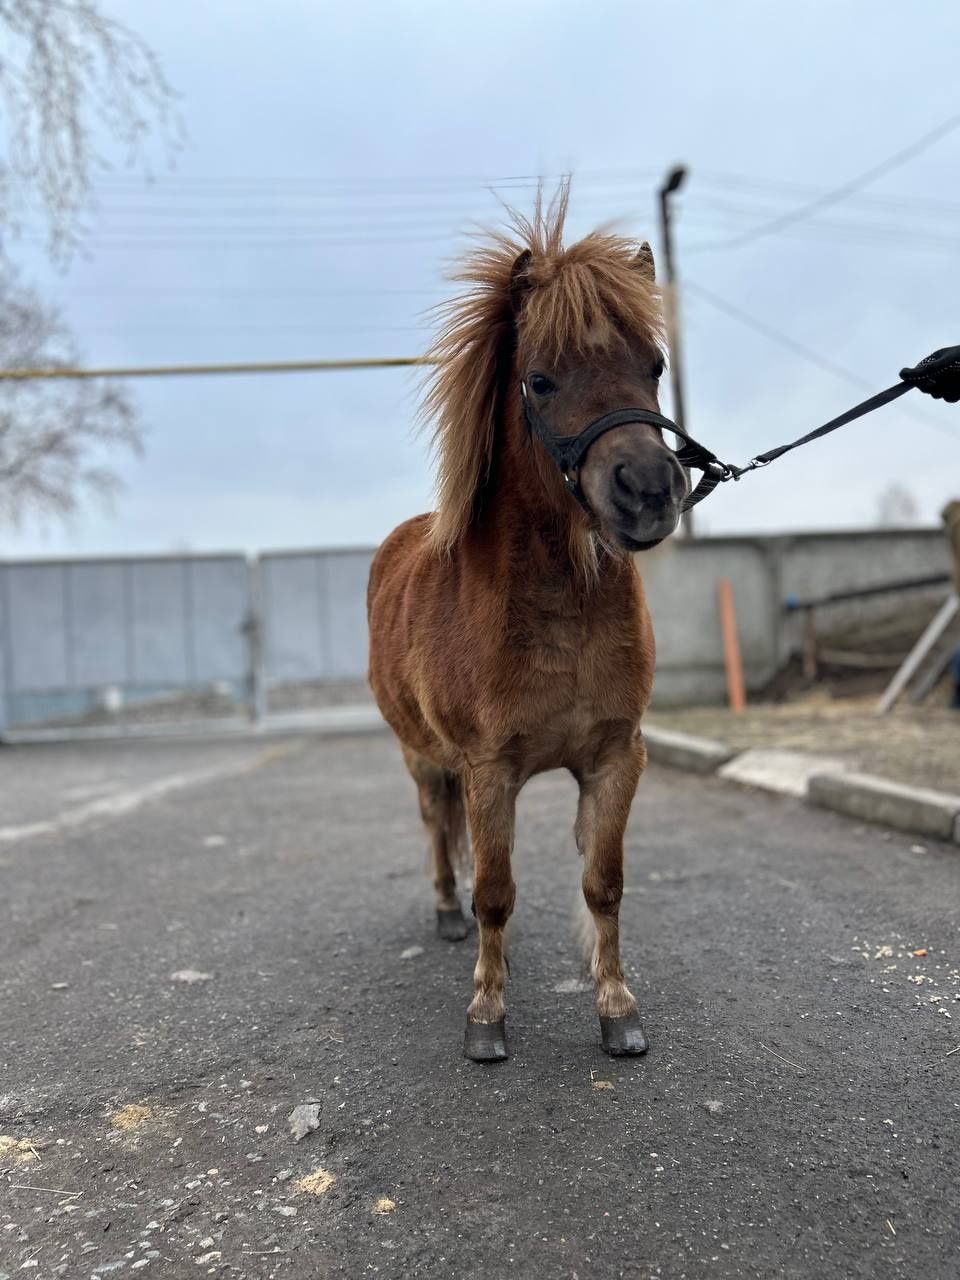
x: 918, y: 653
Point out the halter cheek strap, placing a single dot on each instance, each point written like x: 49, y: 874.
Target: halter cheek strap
x: 568, y: 452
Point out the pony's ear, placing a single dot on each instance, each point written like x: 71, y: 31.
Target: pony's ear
x: 519, y: 280
x: 644, y: 261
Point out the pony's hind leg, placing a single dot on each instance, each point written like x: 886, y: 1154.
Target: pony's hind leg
x: 606, y: 792
x: 441, y: 807
x: 491, y: 799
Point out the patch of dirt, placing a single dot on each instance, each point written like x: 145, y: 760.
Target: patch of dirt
x: 915, y: 745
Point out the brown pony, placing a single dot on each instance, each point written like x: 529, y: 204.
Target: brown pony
x: 508, y: 629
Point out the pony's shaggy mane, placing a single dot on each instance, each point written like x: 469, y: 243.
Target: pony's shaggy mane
x: 583, y: 299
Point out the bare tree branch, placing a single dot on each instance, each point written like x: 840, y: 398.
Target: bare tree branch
x: 896, y: 507
x: 52, y: 435
x: 70, y: 79
x: 69, y: 74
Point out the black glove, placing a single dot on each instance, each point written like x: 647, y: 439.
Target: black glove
x: 937, y: 375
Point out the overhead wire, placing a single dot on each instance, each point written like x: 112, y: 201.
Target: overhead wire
x: 371, y: 211
x: 837, y: 194
x: 160, y: 236
x: 804, y: 352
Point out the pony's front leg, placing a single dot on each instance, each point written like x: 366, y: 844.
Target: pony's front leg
x: 491, y: 795
x: 606, y: 793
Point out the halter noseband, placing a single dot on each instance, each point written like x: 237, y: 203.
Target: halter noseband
x: 568, y: 452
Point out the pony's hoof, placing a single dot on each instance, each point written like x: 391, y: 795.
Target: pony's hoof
x: 485, y: 1041
x: 623, y: 1037
x: 452, y: 925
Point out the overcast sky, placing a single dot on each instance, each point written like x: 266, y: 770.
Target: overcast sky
x: 337, y: 153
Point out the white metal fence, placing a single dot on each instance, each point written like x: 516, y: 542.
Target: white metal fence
x: 112, y: 645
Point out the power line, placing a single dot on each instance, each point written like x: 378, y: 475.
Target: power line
x: 294, y: 207
x: 391, y: 198
x: 132, y: 221
x: 286, y: 229
x: 266, y: 237
x: 444, y: 240
x: 249, y: 331
x: 863, y: 220
x: 254, y: 291
x: 777, y: 335
x: 833, y: 197
x: 777, y: 188
x: 314, y: 190
x: 303, y: 241
x: 402, y: 218
x: 867, y: 235
x: 373, y: 183
x: 256, y: 208
x: 322, y: 189
x: 262, y: 221
x: 805, y: 353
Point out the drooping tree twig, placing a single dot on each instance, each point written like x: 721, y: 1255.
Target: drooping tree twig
x: 71, y: 79
x: 53, y: 436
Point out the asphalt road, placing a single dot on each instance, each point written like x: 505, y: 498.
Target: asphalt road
x: 797, y: 1114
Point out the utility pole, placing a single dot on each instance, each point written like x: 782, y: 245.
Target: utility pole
x: 673, y: 181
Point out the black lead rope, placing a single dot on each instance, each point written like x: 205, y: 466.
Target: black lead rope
x: 858, y: 411
x: 568, y: 451
x: 712, y: 477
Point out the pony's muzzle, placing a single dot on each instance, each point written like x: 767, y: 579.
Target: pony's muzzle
x: 644, y: 497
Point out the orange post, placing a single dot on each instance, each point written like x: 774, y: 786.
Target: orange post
x: 731, y: 646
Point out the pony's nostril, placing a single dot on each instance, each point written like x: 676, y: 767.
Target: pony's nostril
x: 625, y: 483
x: 639, y: 485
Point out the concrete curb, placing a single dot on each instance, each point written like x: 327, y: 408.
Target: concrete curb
x: 818, y: 780
x: 683, y: 751
x: 777, y: 769
x: 861, y: 795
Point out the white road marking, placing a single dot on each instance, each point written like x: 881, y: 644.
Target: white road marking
x: 123, y: 802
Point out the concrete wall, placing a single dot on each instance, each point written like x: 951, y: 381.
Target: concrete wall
x: 71, y: 627
x: 681, y: 585
x: 315, y: 614
x: 681, y: 580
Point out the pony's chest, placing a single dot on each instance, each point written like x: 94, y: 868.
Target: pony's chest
x: 551, y: 645
x: 557, y: 638
x: 567, y: 708
x: 573, y: 672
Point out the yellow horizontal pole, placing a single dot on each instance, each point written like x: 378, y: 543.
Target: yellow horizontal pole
x: 185, y: 370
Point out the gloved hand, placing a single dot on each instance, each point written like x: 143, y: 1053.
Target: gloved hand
x: 937, y: 375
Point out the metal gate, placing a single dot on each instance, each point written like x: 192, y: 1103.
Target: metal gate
x: 152, y: 643
x: 314, y: 610
x: 124, y: 643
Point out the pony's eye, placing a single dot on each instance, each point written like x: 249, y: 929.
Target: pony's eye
x: 541, y: 385
x: 658, y: 368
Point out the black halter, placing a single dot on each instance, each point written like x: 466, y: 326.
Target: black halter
x: 939, y: 375
x: 568, y: 451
